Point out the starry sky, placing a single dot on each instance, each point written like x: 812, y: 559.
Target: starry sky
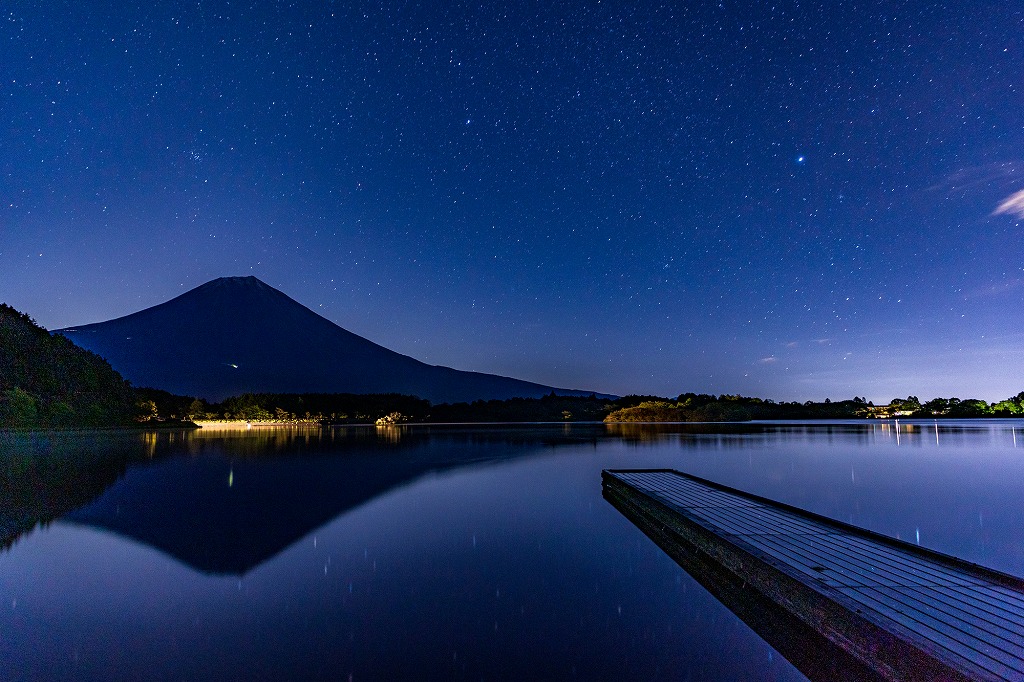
x: 793, y: 200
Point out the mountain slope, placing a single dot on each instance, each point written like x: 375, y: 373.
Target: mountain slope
x: 48, y: 381
x: 236, y: 335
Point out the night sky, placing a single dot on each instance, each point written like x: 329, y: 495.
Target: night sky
x: 788, y: 200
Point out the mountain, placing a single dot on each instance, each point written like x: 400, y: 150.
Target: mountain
x: 238, y: 335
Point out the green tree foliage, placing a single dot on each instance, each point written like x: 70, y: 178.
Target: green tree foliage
x: 971, y: 407
x: 18, y: 408
x: 197, y: 409
x: 648, y: 411
x: 702, y: 407
x: 170, y: 407
x: 66, y: 385
x: 1007, y: 408
x: 910, y: 404
x: 939, y: 406
x: 326, y: 407
x: 145, y: 411
x: 689, y: 408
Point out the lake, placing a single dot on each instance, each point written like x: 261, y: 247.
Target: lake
x: 438, y: 552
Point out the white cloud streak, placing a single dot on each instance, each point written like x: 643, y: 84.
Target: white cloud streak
x: 1013, y: 204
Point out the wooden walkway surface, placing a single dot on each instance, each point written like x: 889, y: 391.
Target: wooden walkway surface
x: 905, y: 612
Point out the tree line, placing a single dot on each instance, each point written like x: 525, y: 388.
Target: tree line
x: 342, y: 408
x: 48, y: 382
x: 348, y: 408
x: 694, y: 407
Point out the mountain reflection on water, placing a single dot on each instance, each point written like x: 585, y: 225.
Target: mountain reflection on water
x: 45, y: 475
x: 241, y: 497
x: 291, y: 480
x: 412, y: 552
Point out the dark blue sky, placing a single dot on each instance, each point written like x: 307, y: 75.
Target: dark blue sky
x: 795, y: 201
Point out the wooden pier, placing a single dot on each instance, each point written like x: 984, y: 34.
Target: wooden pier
x: 838, y: 601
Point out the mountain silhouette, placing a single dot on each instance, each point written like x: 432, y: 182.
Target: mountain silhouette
x: 237, y: 335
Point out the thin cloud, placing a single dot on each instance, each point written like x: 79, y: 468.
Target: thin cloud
x: 975, y: 176
x: 768, y: 360
x: 996, y: 289
x: 1013, y: 204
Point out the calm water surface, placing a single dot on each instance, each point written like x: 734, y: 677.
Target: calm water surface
x: 437, y: 552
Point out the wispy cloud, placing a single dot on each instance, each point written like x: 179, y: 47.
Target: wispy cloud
x: 996, y: 289
x: 975, y: 176
x: 1013, y: 204
x: 768, y: 360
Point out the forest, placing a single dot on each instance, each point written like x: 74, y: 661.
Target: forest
x: 48, y: 382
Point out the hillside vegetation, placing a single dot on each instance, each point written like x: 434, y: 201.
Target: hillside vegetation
x: 47, y: 381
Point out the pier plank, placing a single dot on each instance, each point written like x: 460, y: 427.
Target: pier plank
x: 903, y: 611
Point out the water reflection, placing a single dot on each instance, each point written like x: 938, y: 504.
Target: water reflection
x: 437, y: 551
x: 45, y: 475
x: 872, y: 432
x: 241, y: 498
x: 234, y: 497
